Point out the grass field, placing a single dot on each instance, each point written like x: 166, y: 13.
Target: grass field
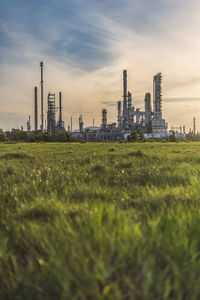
x: 100, y: 221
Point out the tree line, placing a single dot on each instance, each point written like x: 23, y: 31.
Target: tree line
x: 17, y: 135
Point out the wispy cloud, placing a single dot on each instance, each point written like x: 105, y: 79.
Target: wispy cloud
x: 109, y: 103
x: 183, y: 100
x: 85, y: 46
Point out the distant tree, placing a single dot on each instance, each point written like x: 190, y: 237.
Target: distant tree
x: 62, y: 137
x: 172, y: 137
x: 133, y: 137
x: 2, y: 136
x: 45, y: 137
x: 17, y: 135
x: 141, y: 136
x: 36, y: 136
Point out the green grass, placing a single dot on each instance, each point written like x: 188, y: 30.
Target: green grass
x: 100, y: 221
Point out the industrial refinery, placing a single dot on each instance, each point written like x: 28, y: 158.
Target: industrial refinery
x: 128, y: 117
x: 52, y: 125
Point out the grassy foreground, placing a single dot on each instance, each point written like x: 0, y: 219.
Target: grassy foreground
x: 100, y: 221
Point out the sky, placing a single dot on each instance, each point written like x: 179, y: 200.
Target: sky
x: 86, y: 44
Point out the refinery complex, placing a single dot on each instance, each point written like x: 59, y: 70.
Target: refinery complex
x: 148, y: 121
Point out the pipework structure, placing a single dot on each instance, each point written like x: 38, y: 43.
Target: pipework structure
x: 131, y: 119
x: 146, y: 121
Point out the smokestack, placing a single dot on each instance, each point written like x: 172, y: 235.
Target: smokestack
x: 42, y: 97
x: 125, y: 94
x: 71, y: 124
x: 36, y: 109
x: 60, y: 108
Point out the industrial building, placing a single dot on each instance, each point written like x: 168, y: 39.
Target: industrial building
x: 129, y: 118
x: 149, y: 121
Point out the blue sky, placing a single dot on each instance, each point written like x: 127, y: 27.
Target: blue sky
x: 85, y: 45
x: 74, y: 28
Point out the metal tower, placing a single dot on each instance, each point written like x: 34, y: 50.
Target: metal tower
x: 60, y: 123
x: 42, y: 97
x: 36, y: 108
x: 119, y: 115
x: 157, y: 93
x: 51, y: 114
x: 124, y: 98
x: 104, y: 118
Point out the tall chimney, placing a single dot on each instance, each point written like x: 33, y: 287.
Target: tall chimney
x: 60, y: 108
x: 36, y: 109
x: 42, y: 97
x: 125, y: 96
